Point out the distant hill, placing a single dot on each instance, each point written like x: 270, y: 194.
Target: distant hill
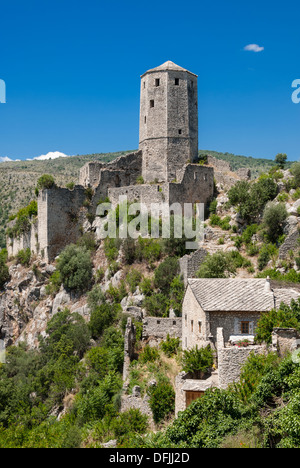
x: 18, y: 179
x: 257, y: 165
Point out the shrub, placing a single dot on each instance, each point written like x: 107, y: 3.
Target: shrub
x: 197, y: 360
x: 177, y: 290
x: 54, y: 283
x: 170, y: 346
x: 95, y: 297
x: 250, y: 199
x: 23, y: 257
x: 157, y: 305
x: 217, y: 265
x: 128, y: 424
x: 148, y: 355
x: 146, y: 286
x: 140, y: 180
x: 213, y: 206
x: 4, y: 272
x: 101, y: 317
x: 162, y: 401
x: 265, y: 254
x: 295, y: 170
x: 273, y: 218
x: 88, y: 241
x: 165, y: 274
x: 75, y: 268
x: 285, y: 317
x: 133, y: 279
x: 46, y: 181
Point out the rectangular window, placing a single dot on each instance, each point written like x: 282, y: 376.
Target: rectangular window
x: 152, y: 103
x: 145, y: 120
x: 185, y: 317
x: 179, y: 132
x: 192, y: 325
x: 157, y: 82
x: 245, y: 328
x: 200, y: 326
x: 176, y: 81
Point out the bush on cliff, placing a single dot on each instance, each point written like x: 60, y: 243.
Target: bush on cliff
x: 4, y: 273
x: 76, y: 268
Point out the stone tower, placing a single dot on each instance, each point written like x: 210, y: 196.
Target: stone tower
x: 168, y: 121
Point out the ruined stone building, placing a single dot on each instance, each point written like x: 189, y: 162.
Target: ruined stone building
x: 163, y: 170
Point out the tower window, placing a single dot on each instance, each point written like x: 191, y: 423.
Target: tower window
x: 176, y: 81
x: 144, y: 84
x: 157, y: 82
x: 152, y: 103
x: 145, y: 119
x: 179, y: 132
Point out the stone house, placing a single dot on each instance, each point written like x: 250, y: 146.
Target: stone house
x: 234, y: 304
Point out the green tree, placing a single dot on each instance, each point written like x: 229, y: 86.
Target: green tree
x: 273, y: 218
x: 217, y: 265
x: 281, y: 160
x: 75, y: 267
x: 165, y: 274
x: 285, y: 317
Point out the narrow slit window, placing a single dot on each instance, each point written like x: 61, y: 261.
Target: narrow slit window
x: 152, y: 103
x: 179, y: 132
x: 157, y: 82
x: 176, y: 81
x: 192, y: 325
x: 200, y: 327
x: 145, y: 119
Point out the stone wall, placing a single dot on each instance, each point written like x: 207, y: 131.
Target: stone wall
x: 196, y: 185
x: 156, y: 329
x: 136, y: 401
x: 195, y: 323
x: 58, y: 219
x: 129, y: 344
x: 231, y: 360
x: 219, y: 164
x: 146, y: 194
x: 26, y: 240
x: 123, y: 171
x: 285, y: 340
x: 231, y: 323
x: 291, y: 243
x: 190, y: 264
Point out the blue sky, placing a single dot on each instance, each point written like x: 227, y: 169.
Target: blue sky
x: 72, y: 71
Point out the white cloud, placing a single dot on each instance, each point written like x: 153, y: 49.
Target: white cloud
x: 43, y: 157
x: 5, y: 159
x: 51, y: 155
x: 254, y: 48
